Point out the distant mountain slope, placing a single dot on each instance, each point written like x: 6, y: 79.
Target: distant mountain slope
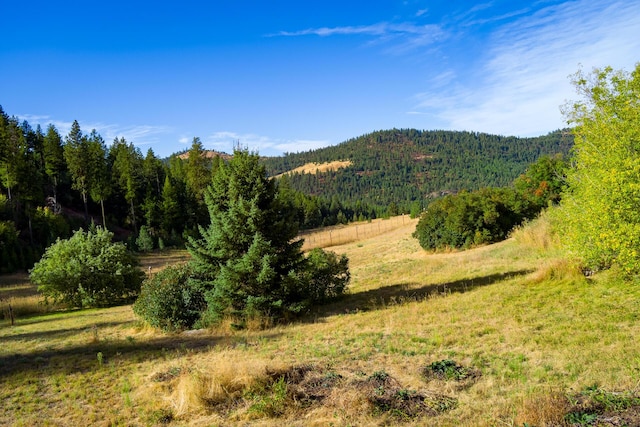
x: 404, y: 165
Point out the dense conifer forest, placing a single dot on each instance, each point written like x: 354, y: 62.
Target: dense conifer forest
x: 53, y: 184
x: 398, y: 168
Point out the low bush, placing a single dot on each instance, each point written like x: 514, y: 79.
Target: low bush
x: 168, y: 302
x: 327, y: 275
x: 87, y: 270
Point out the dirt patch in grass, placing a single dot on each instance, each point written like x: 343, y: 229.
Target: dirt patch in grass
x: 450, y: 370
x: 598, y: 407
x: 387, y: 395
x: 294, y: 392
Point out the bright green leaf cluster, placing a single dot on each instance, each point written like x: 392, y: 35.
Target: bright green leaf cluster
x: 600, y: 219
x: 88, y: 270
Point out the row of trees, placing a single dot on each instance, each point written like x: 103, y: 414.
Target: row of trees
x: 43, y: 174
x: 246, y: 263
x: 488, y: 215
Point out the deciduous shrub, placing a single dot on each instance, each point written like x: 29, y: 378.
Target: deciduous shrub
x: 327, y: 275
x: 168, y: 302
x: 88, y: 270
x: 600, y: 214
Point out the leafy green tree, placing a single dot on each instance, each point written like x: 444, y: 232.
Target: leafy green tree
x: 600, y: 215
x: 167, y: 301
x: 88, y: 270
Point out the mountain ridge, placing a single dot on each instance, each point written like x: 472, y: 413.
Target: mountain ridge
x: 403, y: 166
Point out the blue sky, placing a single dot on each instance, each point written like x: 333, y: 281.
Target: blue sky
x: 287, y: 76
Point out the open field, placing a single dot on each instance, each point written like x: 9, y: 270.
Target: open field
x: 342, y: 234
x: 525, y: 338
x: 313, y: 168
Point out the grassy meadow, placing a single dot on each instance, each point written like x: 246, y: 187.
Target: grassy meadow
x: 502, y: 335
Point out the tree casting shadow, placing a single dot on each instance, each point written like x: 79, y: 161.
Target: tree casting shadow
x: 84, y: 357
x: 379, y: 298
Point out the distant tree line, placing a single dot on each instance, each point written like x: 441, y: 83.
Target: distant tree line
x: 488, y: 215
x: 402, y: 170
x: 53, y: 184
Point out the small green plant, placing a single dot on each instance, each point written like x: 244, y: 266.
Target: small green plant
x: 380, y: 376
x: 144, y: 242
x: 272, y: 402
x: 100, y: 358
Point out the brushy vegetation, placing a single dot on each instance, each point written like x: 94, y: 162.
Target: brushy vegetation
x: 168, y: 302
x: 524, y: 335
x: 488, y: 215
x: 88, y: 270
x: 600, y: 218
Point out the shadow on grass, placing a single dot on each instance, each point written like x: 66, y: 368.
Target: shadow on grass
x: 409, y: 292
x: 80, y: 358
x: 61, y: 333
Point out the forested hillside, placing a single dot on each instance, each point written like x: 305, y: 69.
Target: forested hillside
x: 399, y: 167
x: 52, y: 184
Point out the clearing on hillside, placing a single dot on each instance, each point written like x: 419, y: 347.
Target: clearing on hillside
x: 313, y: 168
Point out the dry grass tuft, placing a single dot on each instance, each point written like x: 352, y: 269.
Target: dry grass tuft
x: 222, y: 381
x: 548, y: 408
x: 537, y: 234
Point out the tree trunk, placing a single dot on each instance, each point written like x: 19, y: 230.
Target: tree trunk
x: 104, y: 219
x: 133, y: 217
x: 86, y: 208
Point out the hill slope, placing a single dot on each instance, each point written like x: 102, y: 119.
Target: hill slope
x: 405, y: 165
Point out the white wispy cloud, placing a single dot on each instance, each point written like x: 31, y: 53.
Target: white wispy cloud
x: 523, y: 76
x: 226, y: 140
x: 408, y: 35
x: 139, y: 135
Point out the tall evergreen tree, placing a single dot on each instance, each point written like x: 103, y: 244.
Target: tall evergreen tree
x: 100, y: 188
x: 77, y: 156
x: 127, y: 170
x: 54, y: 164
x: 246, y: 260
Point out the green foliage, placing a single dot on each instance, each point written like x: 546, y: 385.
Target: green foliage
x: 145, y: 241
x: 168, y: 302
x: 9, y: 247
x: 326, y: 276
x: 87, y: 270
x: 248, y: 262
x: 488, y: 215
x: 270, y: 402
x: 600, y: 214
x: 467, y: 219
x: 405, y: 165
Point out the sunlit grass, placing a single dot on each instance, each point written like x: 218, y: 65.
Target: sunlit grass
x: 526, y: 320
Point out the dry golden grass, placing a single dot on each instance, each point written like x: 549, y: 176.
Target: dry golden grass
x: 313, y: 168
x: 354, y: 232
x: 534, y: 329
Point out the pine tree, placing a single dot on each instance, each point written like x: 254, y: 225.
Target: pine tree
x: 247, y: 259
x: 76, y: 154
